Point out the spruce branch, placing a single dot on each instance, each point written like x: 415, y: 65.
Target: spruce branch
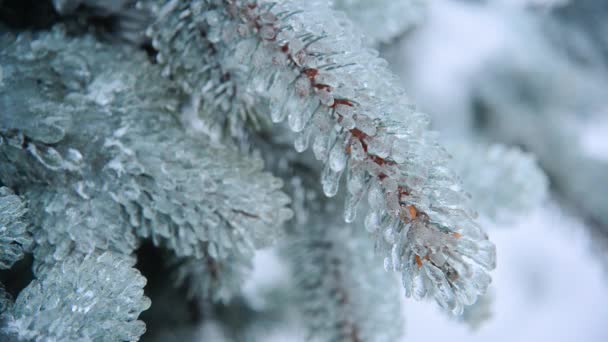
x: 207, y: 278
x: 95, y: 298
x: 86, y: 154
x: 308, y: 65
x: 14, y: 237
x: 338, y: 289
x: 67, y: 224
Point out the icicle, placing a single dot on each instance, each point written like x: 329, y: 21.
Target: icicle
x: 387, y: 264
x: 337, y: 157
x: 301, y: 114
x: 350, y: 208
x: 330, y: 180
x: 375, y: 197
x: 372, y: 222
x: 302, y: 140
x: 395, y: 257
x: 356, y: 150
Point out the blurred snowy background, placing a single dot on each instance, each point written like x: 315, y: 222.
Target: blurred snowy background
x: 530, y: 73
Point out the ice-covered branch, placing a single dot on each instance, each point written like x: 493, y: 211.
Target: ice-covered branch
x: 306, y: 62
x: 14, y: 237
x: 106, y: 163
x: 208, y: 278
x: 341, y: 293
x: 95, y: 298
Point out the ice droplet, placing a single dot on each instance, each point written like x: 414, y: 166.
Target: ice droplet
x: 387, y: 264
x: 372, y: 222
x: 319, y: 146
x: 330, y: 180
x: 302, y: 140
x: 337, y: 158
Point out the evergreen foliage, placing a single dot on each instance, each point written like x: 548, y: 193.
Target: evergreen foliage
x: 165, y: 137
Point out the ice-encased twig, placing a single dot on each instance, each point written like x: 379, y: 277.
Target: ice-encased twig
x: 95, y: 298
x: 303, y: 59
x: 339, y: 290
x: 99, y: 150
x: 14, y: 236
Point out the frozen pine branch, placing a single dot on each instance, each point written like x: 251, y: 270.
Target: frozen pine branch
x: 207, y: 278
x: 95, y: 298
x: 306, y: 62
x: 84, y: 151
x: 14, y: 237
x: 160, y: 190
x: 68, y: 224
x: 341, y: 293
x: 6, y: 301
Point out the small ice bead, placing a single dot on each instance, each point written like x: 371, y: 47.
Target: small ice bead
x: 347, y: 122
x: 330, y: 181
x: 278, y: 111
x: 212, y: 17
x: 267, y: 18
x: 344, y: 110
x: 212, y: 250
x: 392, y: 203
x: 302, y: 140
x: 399, y: 151
x: 389, y: 235
x: 74, y: 156
x: 396, y: 257
x: 296, y: 120
x: 302, y: 58
x: 350, y: 207
x: 379, y: 147
x: 365, y: 124
x: 295, y: 44
x: 372, y: 221
x: 418, y: 285
x: 259, y: 59
x: 319, y: 146
x: 444, y: 295
x: 337, y: 157
x: 243, y: 50
x: 300, y: 115
x: 387, y: 264
x: 356, y: 150
x: 327, y: 79
x: 375, y: 197
x: 438, y: 258
x: 325, y: 97
x: 355, y: 181
x: 214, y: 35
x: 302, y: 87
